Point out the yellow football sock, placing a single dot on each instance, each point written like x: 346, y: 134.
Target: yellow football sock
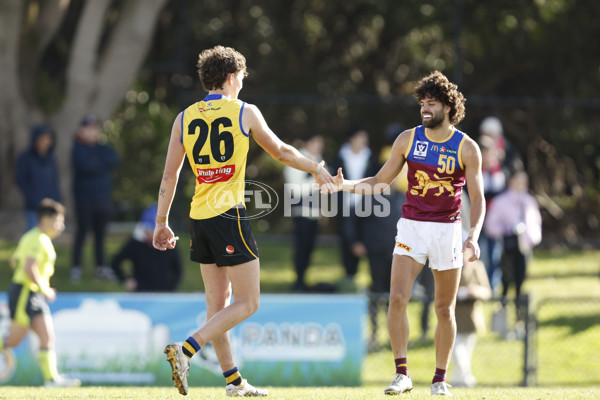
x: 47, y: 359
x: 1, y: 342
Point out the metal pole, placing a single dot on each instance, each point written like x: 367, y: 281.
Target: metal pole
x: 529, y: 364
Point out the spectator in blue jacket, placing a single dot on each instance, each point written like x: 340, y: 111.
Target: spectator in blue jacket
x: 37, y: 172
x: 92, y: 186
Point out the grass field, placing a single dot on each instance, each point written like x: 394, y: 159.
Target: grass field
x: 137, y: 393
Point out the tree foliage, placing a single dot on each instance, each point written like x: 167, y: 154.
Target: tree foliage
x: 326, y: 66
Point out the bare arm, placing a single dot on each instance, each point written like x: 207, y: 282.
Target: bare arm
x: 175, y: 154
x: 33, y: 273
x: 387, y: 173
x: 254, y: 122
x: 471, y: 157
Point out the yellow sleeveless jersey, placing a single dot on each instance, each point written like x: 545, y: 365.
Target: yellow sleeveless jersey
x: 217, y: 148
x: 34, y: 244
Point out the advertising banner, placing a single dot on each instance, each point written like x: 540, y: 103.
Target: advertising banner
x: 118, y: 339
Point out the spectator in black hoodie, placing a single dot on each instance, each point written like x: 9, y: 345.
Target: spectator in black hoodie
x: 152, y: 270
x: 37, y: 172
x: 92, y: 186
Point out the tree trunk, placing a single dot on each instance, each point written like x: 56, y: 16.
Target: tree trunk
x: 96, y: 82
x: 13, y: 121
x: 96, y: 79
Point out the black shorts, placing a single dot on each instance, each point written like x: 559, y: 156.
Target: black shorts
x: 225, y: 240
x: 25, y: 304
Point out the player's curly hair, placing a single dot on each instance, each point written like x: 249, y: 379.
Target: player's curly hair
x: 439, y: 87
x: 214, y: 65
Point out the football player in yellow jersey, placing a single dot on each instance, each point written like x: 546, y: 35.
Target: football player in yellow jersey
x: 214, y: 135
x: 30, y: 290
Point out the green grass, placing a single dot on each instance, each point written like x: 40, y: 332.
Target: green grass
x: 136, y: 393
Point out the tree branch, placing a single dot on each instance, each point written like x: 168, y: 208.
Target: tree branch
x: 13, y: 121
x: 81, y: 74
x: 125, y: 51
x: 50, y: 18
x: 42, y: 20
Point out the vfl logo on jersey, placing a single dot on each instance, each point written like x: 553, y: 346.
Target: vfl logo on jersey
x: 214, y: 175
x: 425, y: 183
x: 420, y: 149
x: 403, y: 246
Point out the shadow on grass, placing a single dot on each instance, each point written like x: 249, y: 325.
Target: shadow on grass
x: 577, y: 324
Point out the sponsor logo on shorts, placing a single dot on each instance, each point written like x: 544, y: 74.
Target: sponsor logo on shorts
x: 403, y: 246
x: 229, y: 249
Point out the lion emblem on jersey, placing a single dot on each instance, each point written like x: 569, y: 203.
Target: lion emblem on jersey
x: 425, y: 183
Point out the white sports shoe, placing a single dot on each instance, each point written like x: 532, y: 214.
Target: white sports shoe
x: 62, y: 381
x: 440, y: 389
x: 180, y: 365
x: 245, y: 389
x: 400, y: 384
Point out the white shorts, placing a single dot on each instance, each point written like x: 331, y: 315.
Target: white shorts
x: 439, y: 242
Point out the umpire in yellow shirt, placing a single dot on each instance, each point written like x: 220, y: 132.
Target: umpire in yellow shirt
x: 30, y: 290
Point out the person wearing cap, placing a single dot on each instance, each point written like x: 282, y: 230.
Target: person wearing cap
x: 152, y: 270
x: 93, y: 162
x: 37, y: 172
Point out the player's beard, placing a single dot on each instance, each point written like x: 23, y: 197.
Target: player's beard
x: 435, y: 121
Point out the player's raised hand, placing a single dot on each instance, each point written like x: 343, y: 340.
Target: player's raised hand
x: 339, y: 180
x: 164, y: 238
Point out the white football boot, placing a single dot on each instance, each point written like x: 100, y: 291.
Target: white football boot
x: 400, y: 384
x: 245, y: 389
x: 62, y: 381
x: 180, y: 365
x: 440, y: 389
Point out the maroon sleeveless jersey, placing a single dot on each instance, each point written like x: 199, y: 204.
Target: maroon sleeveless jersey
x: 436, y: 176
